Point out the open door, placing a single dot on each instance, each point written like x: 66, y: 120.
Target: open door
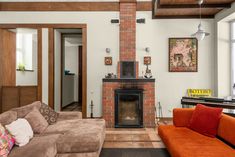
x: 7, y: 59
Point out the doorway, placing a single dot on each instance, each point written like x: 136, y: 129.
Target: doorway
x: 71, y: 69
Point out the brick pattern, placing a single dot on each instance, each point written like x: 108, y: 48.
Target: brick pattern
x: 127, y: 31
x: 148, y: 101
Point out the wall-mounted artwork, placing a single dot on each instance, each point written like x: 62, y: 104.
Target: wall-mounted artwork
x: 108, y: 61
x: 147, y: 60
x: 183, y: 55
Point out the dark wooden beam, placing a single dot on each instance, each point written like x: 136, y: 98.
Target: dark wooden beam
x: 218, y: 6
x: 69, y: 6
x: 182, y: 17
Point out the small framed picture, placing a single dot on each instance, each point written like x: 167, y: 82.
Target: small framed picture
x: 147, y: 60
x: 108, y: 61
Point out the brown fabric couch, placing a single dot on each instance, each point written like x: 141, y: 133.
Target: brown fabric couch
x: 70, y: 136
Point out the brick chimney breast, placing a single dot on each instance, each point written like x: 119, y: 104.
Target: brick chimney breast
x: 127, y: 30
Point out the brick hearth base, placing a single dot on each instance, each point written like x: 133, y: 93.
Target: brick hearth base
x: 148, y: 100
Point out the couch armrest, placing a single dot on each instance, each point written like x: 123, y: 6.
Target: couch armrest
x: 69, y: 115
x: 182, y: 116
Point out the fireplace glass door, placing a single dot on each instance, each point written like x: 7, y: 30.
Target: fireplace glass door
x: 128, y: 108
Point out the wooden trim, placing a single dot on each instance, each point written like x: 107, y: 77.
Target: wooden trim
x: 84, y: 72
x: 183, y: 17
x: 69, y: 6
x: 84, y: 64
x: 204, y: 5
x: 59, y: 6
x: 51, y: 67
x: 61, y: 69
x: 36, y: 26
x: 144, y: 6
x: 39, y: 64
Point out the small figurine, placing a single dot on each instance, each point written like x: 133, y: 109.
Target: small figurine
x: 148, y: 73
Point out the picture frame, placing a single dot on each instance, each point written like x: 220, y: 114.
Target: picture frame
x: 183, y: 55
x: 147, y: 60
x: 108, y: 61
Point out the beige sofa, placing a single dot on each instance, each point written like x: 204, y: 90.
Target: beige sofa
x: 70, y: 136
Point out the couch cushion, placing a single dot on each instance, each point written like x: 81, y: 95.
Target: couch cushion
x: 48, y: 113
x: 226, y: 129
x: 41, y: 146
x: 183, y: 142
x: 6, y: 142
x: 23, y: 111
x: 8, y: 117
x: 37, y: 121
x: 205, y: 120
x: 81, y: 135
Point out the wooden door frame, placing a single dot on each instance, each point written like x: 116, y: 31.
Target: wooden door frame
x: 84, y: 65
x: 51, y: 57
x: 39, y: 52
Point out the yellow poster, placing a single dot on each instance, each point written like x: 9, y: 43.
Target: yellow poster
x: 199, y: 92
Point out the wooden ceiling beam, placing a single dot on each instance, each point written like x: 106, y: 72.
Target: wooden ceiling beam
x: 217, y: 6
x: 204, y: 5
x: 69, y: 6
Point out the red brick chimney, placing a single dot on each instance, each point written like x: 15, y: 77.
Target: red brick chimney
x: 127, y: 30
x: 128, y: 33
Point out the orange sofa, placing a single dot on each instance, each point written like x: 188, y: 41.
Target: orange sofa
x: 184, y: 142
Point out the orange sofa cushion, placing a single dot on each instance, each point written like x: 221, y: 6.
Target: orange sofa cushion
x: 182, y: 116
x: 226, y: 129
x: 183, y: 142
x: 205, y: 120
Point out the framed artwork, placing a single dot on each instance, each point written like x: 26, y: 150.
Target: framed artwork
x: 147, y: 60
x: 183, y: 55
x: 108, y: 61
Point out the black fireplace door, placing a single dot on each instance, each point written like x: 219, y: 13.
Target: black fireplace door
x: 128, y: 108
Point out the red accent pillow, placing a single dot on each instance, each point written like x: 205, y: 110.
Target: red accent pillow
x: 205, y: 120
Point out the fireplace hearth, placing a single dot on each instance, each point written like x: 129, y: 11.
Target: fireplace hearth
x: 128, y: 108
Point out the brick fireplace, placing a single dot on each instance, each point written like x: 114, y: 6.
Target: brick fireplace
x: 128, y: 100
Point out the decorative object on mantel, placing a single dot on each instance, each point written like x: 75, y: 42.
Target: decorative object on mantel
x: 183, y: 55
x: 108, y: 61
x: 200, y: 34
x: 148, y: 73
x: 147, y: 60
x: 111, y: 76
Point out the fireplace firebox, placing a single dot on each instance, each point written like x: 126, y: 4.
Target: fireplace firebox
x: 128, y: 108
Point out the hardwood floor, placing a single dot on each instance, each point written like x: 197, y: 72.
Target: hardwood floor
x: 73, y: 107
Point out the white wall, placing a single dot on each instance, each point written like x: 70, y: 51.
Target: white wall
x: 223, y: 51
x: 223, y: 59
x: 71, y: 63
x: 171, y: 86
x: 101, y: 34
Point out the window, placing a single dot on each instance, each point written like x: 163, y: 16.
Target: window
x: 25, y: 47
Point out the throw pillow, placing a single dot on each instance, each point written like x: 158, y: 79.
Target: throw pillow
x: 37, y: 121
x: 48, y: 113
x: 205, y: 120
x: 21, y: 131
x: 6, y: 142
